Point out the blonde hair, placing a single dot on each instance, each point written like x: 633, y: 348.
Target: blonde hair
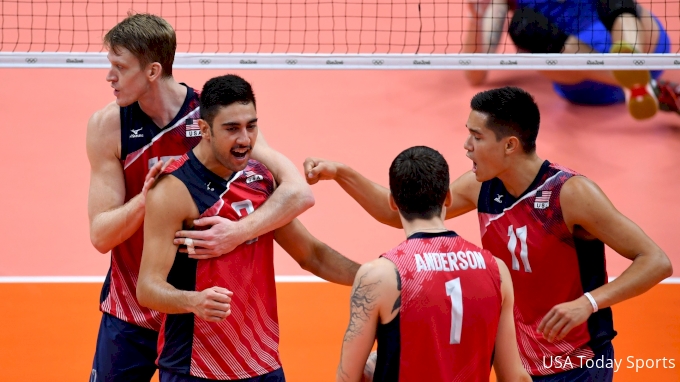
x: 148, y: 37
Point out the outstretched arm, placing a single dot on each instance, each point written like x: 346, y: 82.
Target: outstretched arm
x: 585, y: 205
x: 315, y: 256
x: 374, y: 198
x: 168, y: 206
x: 292, y: 197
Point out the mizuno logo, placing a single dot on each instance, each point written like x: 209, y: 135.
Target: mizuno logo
x: 499, y: 198
x: 209, y: 188
x: 136, y: 134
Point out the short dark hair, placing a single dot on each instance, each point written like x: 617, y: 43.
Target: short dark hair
x: 512, y: 112
x: 148, y: 37
x: 419, y: 181
x: 222, y: 91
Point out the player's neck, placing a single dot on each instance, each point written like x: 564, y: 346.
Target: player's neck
x: 433, y: 225
x: 519, y: 176
x: 204, y: 154
x: 163, y: 101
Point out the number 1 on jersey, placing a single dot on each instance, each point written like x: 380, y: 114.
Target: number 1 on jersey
x: 454, y: 291
x: 523, y: 249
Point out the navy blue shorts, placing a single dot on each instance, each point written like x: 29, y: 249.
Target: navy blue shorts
x: 592, y: 371
x: 597, y: 93
x: 125, y: 352
x: 168, y: 376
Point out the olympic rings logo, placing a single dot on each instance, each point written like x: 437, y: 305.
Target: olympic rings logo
x: 291, y: 62
x: 639, y: 62
x: 378, y: 62
x: 204, y: 61
x: 551, y: 62
x: 464, y: 62
x: 31, y: 60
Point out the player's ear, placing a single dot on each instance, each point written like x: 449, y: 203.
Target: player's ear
x: 154, y: 71
x: 512, y: 145
x: 448, y: 201
x: 393, y: 204
x: 205, y: 129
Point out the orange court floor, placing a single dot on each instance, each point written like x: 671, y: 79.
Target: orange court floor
x: 50, y: 274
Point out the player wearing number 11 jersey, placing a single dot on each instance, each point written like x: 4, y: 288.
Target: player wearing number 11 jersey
x: 437, y: 304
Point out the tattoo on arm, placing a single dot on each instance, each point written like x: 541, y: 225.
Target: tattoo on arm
x: 397, y: 304
x: 363, y: 301
x: 342, y: 374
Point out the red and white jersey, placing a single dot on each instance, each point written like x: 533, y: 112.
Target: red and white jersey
x: 143, y: 144
x: 246, y: 343
x: 450, y: 309
x: 548, y: 265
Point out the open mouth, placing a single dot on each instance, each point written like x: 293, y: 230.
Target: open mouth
x: 474, y: 167
x: 240, y: 152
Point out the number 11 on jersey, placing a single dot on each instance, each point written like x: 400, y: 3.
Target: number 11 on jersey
x: 513, y: 235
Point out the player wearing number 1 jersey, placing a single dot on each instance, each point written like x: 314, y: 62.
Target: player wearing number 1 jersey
x: 549, y: 224
x: 438, y: 305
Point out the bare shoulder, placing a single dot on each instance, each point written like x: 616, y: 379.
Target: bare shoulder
x: 379, y: 273
x: 580, y: 192
x: 172, y: 197
x: 103, y: 132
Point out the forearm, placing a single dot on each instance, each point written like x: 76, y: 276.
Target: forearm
x: 372, y: 197
x: 159, y: 295
x: 645, y: 271
x: 285, y: 204
x: 331, y: 265
x: 110, y: 228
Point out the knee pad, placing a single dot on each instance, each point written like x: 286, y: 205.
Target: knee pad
x: 609, y: 10
x: 533, y: 32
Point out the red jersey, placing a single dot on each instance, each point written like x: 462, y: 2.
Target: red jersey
x: 245, y: 344
x: 450, y: 309
x: 549, y: 266
x: 143, y: 143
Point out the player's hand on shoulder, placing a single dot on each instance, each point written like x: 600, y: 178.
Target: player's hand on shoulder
x: 317, y: 169
x: 212, y: 304
x: 153, y: 174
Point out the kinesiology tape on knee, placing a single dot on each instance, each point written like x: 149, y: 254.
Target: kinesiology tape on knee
x: 609, y: 10
x: 533, y: 32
